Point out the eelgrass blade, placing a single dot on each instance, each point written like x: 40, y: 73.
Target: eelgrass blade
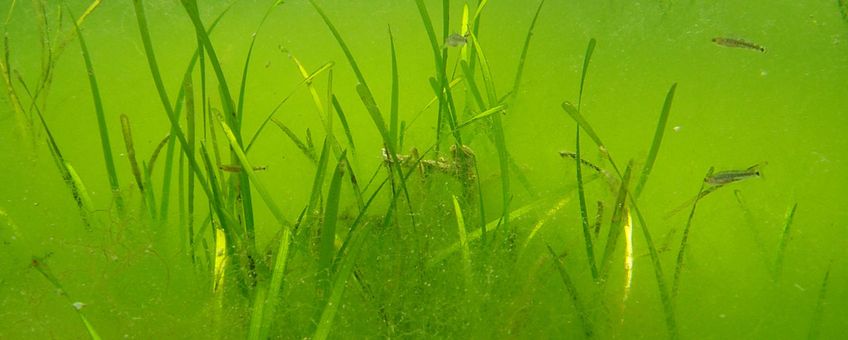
x: 484, y: 114
x: 275, y: 287
x: 340, y: 113
x: 572, y: 292
x: 128, y: 142
x: 326, y: 247
x: 784, y: 240
x: 310, y: 153
x: 578, y: 118
x: 39, y: 265
x: 70, y: 177
x: 584, y: 214
x: 393, y: 111
x: 678, y: 268
x: 619, y: 214
x: 667, y: 301
x: 345, y: 267
x: 655, y: 144
x: 226, y: 219
x: 815, y: 323
x: 101, y: 123
x: 248, y: 169
x: 240, y: 107
x: 463, y: 242
x: 523, y: 57
x: 313, y: 207
x: 80, y: 194
x: 270, y: 116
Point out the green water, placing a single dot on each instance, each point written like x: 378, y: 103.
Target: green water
x: 740, y: 276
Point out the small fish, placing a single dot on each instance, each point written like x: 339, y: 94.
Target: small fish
x: 456, y: 40
x: 730, y: 176
x: 739, y: 43
x: 237, y: 168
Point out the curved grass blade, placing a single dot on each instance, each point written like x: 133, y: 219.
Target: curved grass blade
x: 678, y: 268
x: 617, y: 224
x: 101, y: 123
x: 463, y: 242
x: 784, y: 240
x: 310, y: 153
x: 326, y: 250
x: 655, y: 144
x: 815, y: 323
x: 248, y: 169
x: 270, y: 116
x: 128, y: 141
x: 523, y: 57
x: 584, y: 214
x: 393, y: 112
x: 572, y: 292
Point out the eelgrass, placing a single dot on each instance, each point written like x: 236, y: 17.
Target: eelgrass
x: 463, y: 242
x: 815, y: 322
x: 784, y: 241
x: 585, y: 323
x: 39, y: 265
x: 101, y: 124
x: 584, y: 214
x: 665, y: 298
x: 655, y: 144
x: 678, y: 268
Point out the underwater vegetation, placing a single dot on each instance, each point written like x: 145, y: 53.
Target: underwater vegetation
x: 348, y: 202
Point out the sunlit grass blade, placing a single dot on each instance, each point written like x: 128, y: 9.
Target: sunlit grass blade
x: 248, y: 169
x: 484, y: 114
x: 665, y: 298
x: 70, y: 177
x: 619, y: 214
x: 463, y: 243
x: 541, y: 222
x: 572, y: 292
x: 101, y: 124
x: 784, y: 240
x: 655, y: 144
x: 80, y: 194
x: 678, y: 268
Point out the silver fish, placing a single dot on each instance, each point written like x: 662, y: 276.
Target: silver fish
x: 738, y: 43
x: 730, y: 176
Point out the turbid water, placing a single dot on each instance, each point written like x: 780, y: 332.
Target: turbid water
x: 182, y: 250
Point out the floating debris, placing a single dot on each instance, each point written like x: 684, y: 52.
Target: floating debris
x: 78, y: 305
x: 738, y: 43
